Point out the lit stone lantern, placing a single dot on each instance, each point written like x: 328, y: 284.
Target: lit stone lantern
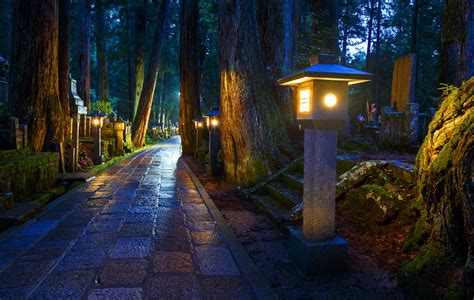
x: 322, y: 92
x: 199, y: 125
x: 119, y: 127
x: 212, y: 119
x: 97, y: 123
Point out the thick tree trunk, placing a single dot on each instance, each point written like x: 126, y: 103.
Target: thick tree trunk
x: 325, y: 32
x: 140, y: 124
x: 103, y: 79
x: 189, y: 73
x: 64, y: 55
x: 252, y: 137
x: 34, y: 77
x: 369, y: 33
x: 457, y: 42
x: 444, y: 171
x: 84, y: 46
x: 136, y: 38
x: 278, y: 26
x: 377, y: 58
x: 6, y: 16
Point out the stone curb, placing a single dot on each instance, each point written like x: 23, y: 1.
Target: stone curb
x: 250, y: 271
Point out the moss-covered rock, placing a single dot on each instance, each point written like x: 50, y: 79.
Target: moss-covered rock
x: 374, y: 203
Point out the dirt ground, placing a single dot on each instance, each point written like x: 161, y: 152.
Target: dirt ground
x: 374, y: 257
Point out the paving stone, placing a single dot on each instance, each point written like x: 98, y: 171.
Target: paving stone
x: 63, y: 234
x: 215, y: 260
x: 17, y: 244
x: 34, y: 228
x: 139, y: 218
x: 202, y: 226
x: 24, y: 274
x: 129, y: 272
x: 65, y: 285
x: 172, y: 231
x: 136, y: 229
x: 116, y: 208
x: 51, y: 215
x: 95, y: 240
x: 115, y: 293
x: 96, y: 202
x: 137, y: 247
x: 145, y: 201
x: 39, y: 254
x: 174, y: 262
x: 173, y: 244
x: 74, y: 222
x: 173, y: 286
x: 82, y: 259
x: 206, y: 237
x: 108, y: 226
x: 142, y: 209
x: 15, y: 293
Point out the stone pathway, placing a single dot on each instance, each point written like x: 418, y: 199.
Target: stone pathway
x: 139, y: 230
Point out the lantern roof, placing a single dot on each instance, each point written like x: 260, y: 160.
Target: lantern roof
x: 199, y: 119
x: 326, y: 68
x: 214, y: 112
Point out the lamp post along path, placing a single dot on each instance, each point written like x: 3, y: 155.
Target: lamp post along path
x: 321, y: 111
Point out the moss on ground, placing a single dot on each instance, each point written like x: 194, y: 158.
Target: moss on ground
x: 418, y: 235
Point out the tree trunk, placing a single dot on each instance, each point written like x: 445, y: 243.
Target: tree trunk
x: 140, y: 124
x: 84, y: 46
x: 457, y: 42
x: 325, y: 32
x: 414, y: 26
x: 103, y: 79
x: 253, y: 141
x: 278, y: 26
x: 34, y: 86
x: 444, y: 169
x: 6, y: 16
x: 64, y: 55
x: 136, y: 37
x: 189, y: 73
x: 369, y: 34
x: 377, y: 58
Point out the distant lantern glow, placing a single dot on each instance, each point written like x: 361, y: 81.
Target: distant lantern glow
x: 214, y: 122
x: 199, y: 124
x: 304, y: 100
x: 96, y: 121
x: 330, y: 100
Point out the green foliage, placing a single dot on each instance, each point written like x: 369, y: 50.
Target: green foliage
x: 102, y: 106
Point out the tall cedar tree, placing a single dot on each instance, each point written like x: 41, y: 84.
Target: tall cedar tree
x: 103, y: 74
x: 253, y: 141
x: 136, y: 12
x: 140, y: 124
x: 84, y: 46
x: 64, y: 56
x: 325, y: 31
x: 34, y: 77
x: 457, y: 42
x: 189, y: 72
x: 278, y: 22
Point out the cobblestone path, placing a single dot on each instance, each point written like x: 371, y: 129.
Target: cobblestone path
x: 139, y: 230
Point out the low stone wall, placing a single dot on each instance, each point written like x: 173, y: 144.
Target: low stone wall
x: 25, y: 173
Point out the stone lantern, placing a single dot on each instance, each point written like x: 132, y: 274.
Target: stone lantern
x: 322, y: 92
x: 97, y: 120
x: 212, y: 119
x: 119, y: 127
x: 199, y: 125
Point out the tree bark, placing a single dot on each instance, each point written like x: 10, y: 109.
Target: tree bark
x: 278, y: 22
x: 136, y: 37
x: 6, y: 15
x: 325, y: 32
x: 189, y: 73
x: 34, y: 85
x: 140, y: 124
x: 64, y: 56
x: 377, y: 58
x: 457, y: 42
x: 84, y: 46
x: 103, y: 79
x: 369, y: 33
x: 444, y: 173
x: 253, y: 141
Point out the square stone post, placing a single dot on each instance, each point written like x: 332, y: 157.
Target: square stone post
x: 97, y: 151
x: 76, y: 124
x: 213, y: 149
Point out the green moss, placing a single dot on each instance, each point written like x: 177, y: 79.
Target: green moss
x: 430, y: 257
x: 417, y: 236
x: 453, y: 292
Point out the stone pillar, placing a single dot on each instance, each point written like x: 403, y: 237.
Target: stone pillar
x: 198, y: 140
x: 319, y: 193
x: 97, y: 151
x: 119, y: 140
x: 24, y: 131
x: 411, y: 123
x: 14, y: 133
x: 76, y: 124
x: 213, y: 149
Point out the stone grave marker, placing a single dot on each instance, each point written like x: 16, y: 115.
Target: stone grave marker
x: 403, y: 82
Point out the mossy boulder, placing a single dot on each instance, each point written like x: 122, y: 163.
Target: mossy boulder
x: 376, y: 204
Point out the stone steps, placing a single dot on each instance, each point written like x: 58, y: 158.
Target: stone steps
x: 283, y: 194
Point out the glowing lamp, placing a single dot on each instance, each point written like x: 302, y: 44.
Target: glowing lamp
x: 97, y: 119
x: 212, y: 117
x: 199, y: 122
x: 322, y: 92
x: 119, y: 124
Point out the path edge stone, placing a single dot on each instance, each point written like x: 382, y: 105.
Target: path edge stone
x: 250, y: 271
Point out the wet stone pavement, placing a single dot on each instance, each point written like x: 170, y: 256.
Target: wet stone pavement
x: 139, y: 230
